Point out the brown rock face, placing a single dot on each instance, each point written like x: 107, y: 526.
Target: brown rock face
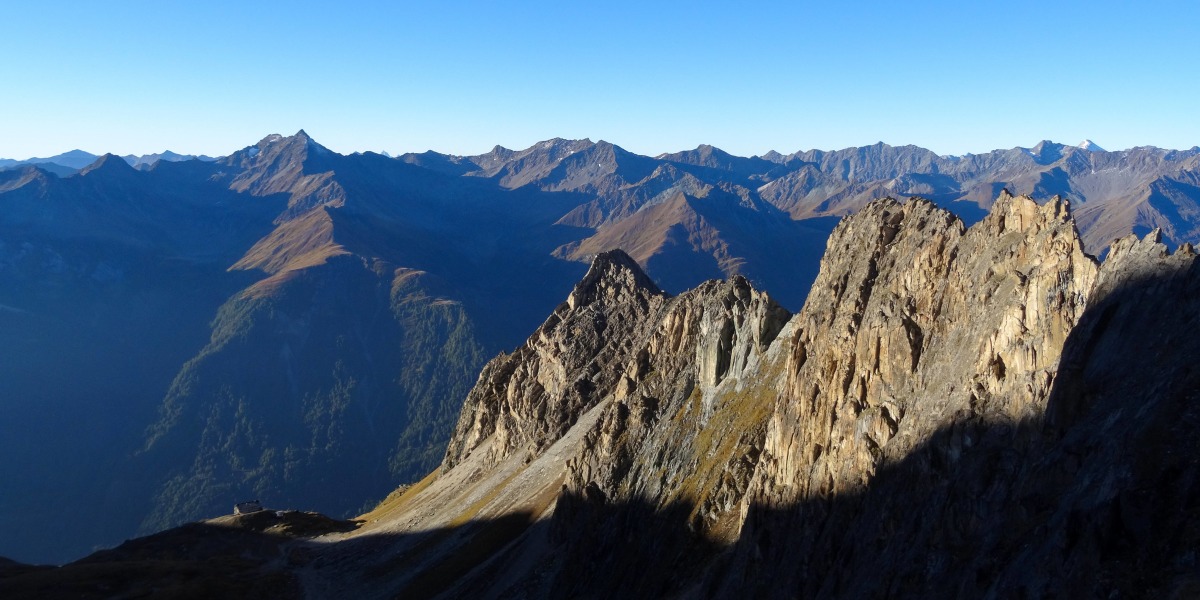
x: 686, y: 422
x: 666, y: 369
x: 528, y: 399
x: 916, y: 323
x: 917, y: 330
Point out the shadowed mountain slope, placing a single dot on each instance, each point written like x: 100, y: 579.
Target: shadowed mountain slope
x: 286, y: 323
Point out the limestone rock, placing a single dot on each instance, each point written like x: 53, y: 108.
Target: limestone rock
x: 920, y: 338
x: 528, y: 399
x: 914, y: 323
x: 687, y: 422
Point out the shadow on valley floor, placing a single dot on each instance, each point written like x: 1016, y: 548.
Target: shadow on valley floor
x: 249, y: 556
x: 1100, y: 498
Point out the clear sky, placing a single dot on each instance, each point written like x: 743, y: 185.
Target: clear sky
x: 459, y: 77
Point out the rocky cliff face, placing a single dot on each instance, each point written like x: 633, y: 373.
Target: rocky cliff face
x: 916, y: 324
x: 990, y: 414
x: 662, y: 374
x: 527, y: 400
x: 917, y: 330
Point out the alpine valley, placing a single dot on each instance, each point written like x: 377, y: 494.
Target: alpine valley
x: 768, y: 377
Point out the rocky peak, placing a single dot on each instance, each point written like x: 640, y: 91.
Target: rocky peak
x: 295, y: 165
x: 527, y: 400
x: 1134, y: 259
x: 109, y: 165
x: 774, y: 156
x: 613, y: 276
x: 689, y: 408
x: 275, y: 148
x: 1047, y: 152
x: 704, y: 154
x: 12, y: 179
x: 914, y: 317
x: 299, y: 144
x: 516, y: 168
x: 1021, y: 214
x: 1130, y: 245
x: 554, y: 150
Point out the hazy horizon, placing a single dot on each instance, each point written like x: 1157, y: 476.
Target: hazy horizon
x: 534, y: 143
x: 459, y: 78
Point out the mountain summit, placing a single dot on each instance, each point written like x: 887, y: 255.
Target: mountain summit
x: 613, y: 274
x: 108, y: 165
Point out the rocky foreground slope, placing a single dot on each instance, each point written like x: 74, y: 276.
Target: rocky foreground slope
x: 978, y: 412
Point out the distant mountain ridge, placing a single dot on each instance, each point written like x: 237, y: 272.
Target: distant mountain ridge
x: 1136, y: 190
x: 67, y: 162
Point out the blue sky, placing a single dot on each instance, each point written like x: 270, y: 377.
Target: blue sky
x: 459, y: 77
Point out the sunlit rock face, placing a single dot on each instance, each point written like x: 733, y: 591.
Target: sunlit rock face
x: 917, y: 322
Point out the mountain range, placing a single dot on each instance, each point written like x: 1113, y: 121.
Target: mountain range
x: 300, y: 326
x: 71, y: 162
x: 978, y: 411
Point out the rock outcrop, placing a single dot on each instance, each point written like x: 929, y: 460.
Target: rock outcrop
x: 920, y: 339
x: 528, y: 399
